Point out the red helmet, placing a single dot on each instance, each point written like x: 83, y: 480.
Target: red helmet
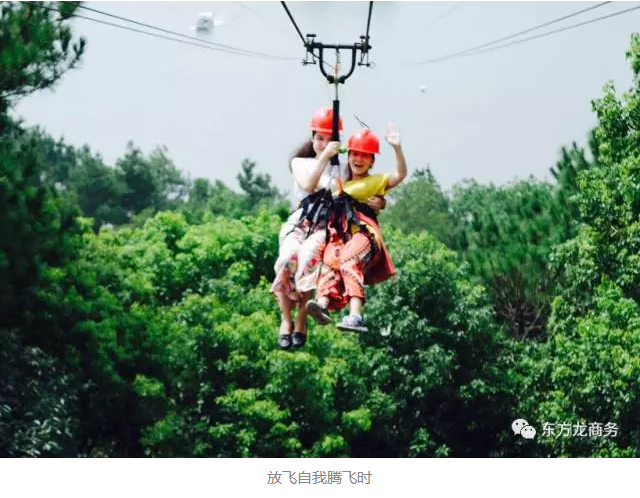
x: 322, y: 121
x: 364, y: 141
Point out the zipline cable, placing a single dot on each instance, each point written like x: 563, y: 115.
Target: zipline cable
x: 175, y: 33
x: 209, y: 46
x: 542, y: 35
x: 514, y: 35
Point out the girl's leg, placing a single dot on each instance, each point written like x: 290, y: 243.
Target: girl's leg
x: 358, y: 252
x: 355, y: 306
x: 323, y: 301
x: 328, y: 284
x: 331, y: 294
x: 319, y: 309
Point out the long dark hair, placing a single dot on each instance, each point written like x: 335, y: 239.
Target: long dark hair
x: 306, y: 151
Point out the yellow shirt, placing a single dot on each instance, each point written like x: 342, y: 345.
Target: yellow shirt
x: 369, y: 186
x: 365, y: 188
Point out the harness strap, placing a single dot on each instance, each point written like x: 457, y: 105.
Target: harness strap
x: 345, y: 208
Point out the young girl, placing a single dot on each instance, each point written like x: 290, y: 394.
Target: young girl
x: 356, y: 255
x: 301, y: 242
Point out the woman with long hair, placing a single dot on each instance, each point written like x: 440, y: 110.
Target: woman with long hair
x: 303, y: 236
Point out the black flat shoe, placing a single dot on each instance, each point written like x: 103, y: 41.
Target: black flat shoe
x: 284, y: 341
x: 299, y: 339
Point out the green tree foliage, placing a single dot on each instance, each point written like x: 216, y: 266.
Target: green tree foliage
x: 37, y: 390
x: 420, y: 205
x: 152, y: 182
x: 443, y: 368
x: 98, y: 189
x: 207, y: 200
x: 184, y: 327
x: 608, y: 197
x: 37, y: 49
x: 158, y: 337
x: 136, y: 188
x: 573, y: 161
x: 141, y: 185
x: 36, y: 393
x: 33, y: 219
x: 589, y: 370
x: 258, y: 187
x: 60, y: 158
x: 506, y: 233
x: 36, y: 401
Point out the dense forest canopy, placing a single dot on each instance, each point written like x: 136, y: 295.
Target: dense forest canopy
x: 136, y: 317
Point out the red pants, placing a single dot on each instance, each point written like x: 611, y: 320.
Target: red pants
x: 343, y: 268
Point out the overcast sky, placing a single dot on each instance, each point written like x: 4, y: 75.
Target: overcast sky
x: 494, y: 116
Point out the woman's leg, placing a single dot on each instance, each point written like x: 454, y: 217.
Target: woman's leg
x: 286, y: 265
x: 286, y: 323
x: 301, y: 318
x: 308, y: 272
x: 283, y: 286
x: 310, y: 257
x: 286, y: 305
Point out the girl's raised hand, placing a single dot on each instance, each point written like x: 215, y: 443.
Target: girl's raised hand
x: 393, y: 135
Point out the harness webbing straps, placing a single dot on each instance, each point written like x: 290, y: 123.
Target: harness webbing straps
x: 321, y: 208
